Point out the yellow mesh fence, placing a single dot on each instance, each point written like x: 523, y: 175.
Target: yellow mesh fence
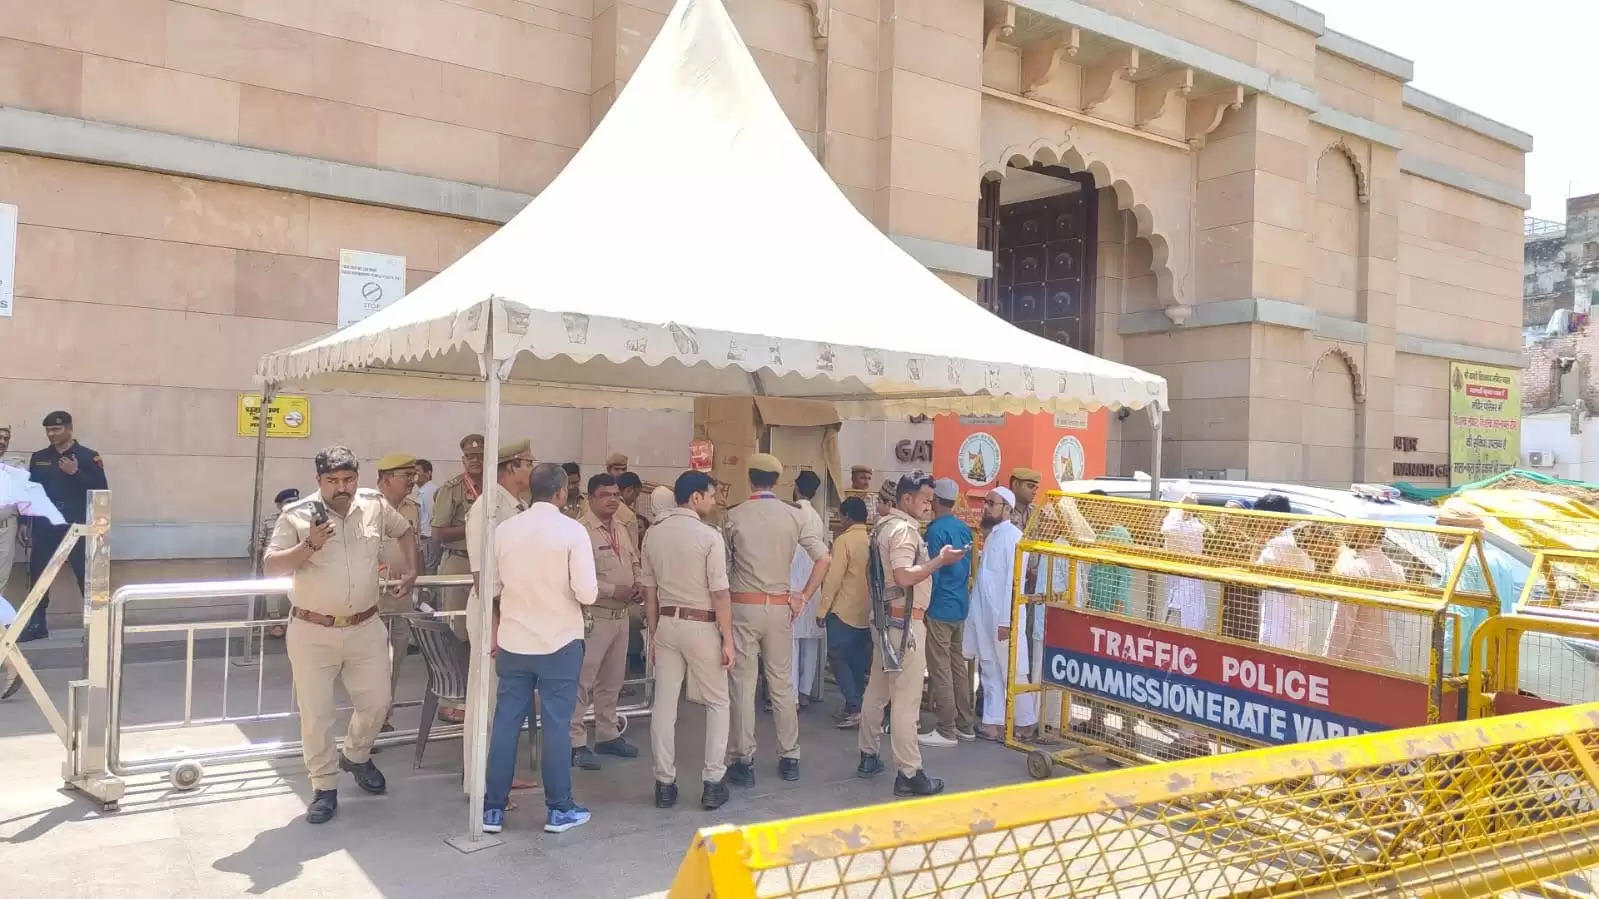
x: 1566, y: 581
x: 1378, y: 614
x: 1530, y: 661
x: 1505, y: 806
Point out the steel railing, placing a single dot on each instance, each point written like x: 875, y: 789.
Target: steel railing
x: 133, y: 595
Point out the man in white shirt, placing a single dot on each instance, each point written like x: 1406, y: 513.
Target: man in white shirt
x: 425, y: 488
x: 546, y: 576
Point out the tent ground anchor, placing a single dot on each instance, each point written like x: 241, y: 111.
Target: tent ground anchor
x: 466, y: 844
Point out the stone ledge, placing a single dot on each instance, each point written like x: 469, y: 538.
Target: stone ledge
x: 1295, y: 14
x: 1143, y: 37
x: 1465, y: 118
x: 1432, y: 170
x: 947, y: 257
x: 1372, y: 57
x: 43, y: 134
x: 1349, y: 123
x: 1417, y: 345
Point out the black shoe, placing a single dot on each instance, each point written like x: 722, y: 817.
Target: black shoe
x: 870, y: 766
x: 741, y: 774
x: 367, y: 775
x: 584, y: 758
x: 665, y: 795
x: 324, y: 803
x: 788, y: 769
x: 618, y: 747
x: 917, y: 785
x: 30, y: 634
x: 715, y: 796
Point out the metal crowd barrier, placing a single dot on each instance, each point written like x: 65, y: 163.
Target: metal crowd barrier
x: 185, y: 767
x: 1158, y: 631
x: 1473, y: 808
x: 1532, y: 660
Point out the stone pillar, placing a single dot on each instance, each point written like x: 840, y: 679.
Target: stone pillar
x: 929, y: 122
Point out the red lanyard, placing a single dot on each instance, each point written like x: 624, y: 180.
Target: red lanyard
x: 610, y: 532
x: 472, y: 493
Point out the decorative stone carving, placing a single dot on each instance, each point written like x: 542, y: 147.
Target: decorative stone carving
x: 1042, y: 60
x: 1098, y: 80
x: 1205, y: 113
x: 1155, y: 95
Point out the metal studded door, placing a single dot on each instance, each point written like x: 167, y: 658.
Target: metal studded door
x: 1044, y: 272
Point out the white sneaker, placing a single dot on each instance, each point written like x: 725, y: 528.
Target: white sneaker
x: 934, y: 738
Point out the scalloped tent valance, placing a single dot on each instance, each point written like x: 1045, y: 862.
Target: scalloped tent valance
x: 694, y: 246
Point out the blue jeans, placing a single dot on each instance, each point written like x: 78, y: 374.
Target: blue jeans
x: 849, y: 651
x: 555, y: 677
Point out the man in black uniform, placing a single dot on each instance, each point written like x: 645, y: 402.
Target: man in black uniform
x: 67, y: 470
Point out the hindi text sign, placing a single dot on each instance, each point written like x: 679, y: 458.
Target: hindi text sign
x: 1484, y: 421
x: 289, y: 415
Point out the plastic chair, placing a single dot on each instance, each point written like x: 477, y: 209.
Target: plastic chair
x: 448, y: 657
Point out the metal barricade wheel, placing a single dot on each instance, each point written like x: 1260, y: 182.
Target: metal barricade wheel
x: 1040, y: 764
x: 186, y: 775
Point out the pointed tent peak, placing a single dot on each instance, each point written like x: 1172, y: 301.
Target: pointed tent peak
x: 695, y: 245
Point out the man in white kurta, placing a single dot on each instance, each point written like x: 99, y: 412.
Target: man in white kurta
x: 1182, y: 533
x: 988, y: 625
x: 807, y: 633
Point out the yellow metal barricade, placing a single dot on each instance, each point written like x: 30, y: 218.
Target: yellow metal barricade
x: 1461, y: 809
x: 1528, y: 661
x: 1158, y: 630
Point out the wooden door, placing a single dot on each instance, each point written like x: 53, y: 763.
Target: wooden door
x: 1044, y: 270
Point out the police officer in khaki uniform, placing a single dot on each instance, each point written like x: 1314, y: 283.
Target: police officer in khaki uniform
x: 616, y: 565
x: 329, y: 544
x: 450, y: 504
x: 688, y: 613
x: 396, y: 475
x: 907, y: 574
x: 513, y: 465
x: 762, y: 535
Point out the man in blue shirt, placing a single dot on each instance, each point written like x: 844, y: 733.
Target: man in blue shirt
x: 948, y: 669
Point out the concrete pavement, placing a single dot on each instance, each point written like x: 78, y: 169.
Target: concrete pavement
x: 242, y: 830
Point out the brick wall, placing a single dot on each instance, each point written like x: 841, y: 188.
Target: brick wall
x: 1541, y: 379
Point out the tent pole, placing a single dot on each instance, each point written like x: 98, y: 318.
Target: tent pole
x: 1154, y: 451
x: 481, y: 709
x: 269, y: 391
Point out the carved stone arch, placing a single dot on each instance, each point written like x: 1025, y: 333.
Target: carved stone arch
x: 1362, y: 183
x: 1357, y: 387
x: 1104, y: 175
x: 1357, y: 393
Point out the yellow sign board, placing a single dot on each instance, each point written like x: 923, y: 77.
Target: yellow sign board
x: 1484, y: 421
x: 288, y: 416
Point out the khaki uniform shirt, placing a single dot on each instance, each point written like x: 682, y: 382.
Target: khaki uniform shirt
x: 392, y: 560
x: 506, y: 506
x: 341, y: 578
x: 685, y: 560
x: 762, y: 533
x: 576, y: 507
x: 450, y: 504
x: 900, y: 545
x: 627, y: 519
x: 844, y: 590
x: 1019, y: 516
x: 616, y: 561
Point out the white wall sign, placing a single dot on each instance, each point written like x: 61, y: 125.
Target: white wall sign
x: 8, y: 258
x: 367, y: 283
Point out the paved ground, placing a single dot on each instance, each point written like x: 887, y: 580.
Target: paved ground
x: 242, y: 830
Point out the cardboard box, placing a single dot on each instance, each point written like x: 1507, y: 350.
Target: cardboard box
x: 802, y: 433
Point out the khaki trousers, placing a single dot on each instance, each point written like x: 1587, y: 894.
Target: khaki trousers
x: 600, y: 683
x: 691, y: 651
x: 950, y: 675
x: 902, y: 688
x: 453, y: 599
x: 764, y: 634
x: 320, y: 655
x: 478, y: 677
x: 399, y: 642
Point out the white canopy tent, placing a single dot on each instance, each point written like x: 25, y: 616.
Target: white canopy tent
x: 694, y: 246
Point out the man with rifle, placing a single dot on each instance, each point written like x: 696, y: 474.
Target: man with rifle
x: 898, y: 575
